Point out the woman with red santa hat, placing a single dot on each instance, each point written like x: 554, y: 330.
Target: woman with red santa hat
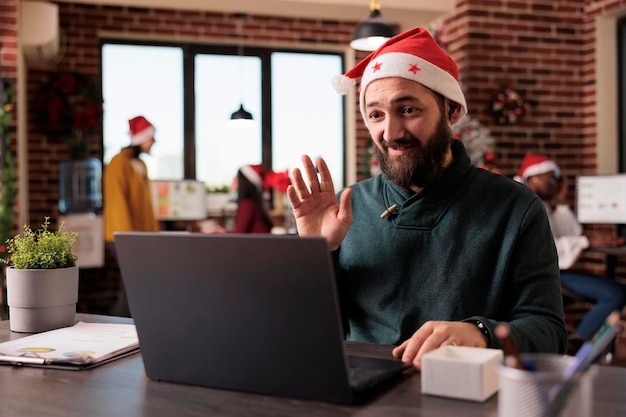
x: 250, y: 184
x: 127, y: 193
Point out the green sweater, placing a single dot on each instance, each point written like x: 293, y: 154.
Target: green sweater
x: 474, y: 245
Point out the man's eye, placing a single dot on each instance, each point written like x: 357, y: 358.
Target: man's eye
x: 376, y: 115
x: 409, y: 110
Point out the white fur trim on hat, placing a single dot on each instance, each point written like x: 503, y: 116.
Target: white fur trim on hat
x: 252, y: 175
x: 141, y: 137
x: 414, y: 68
x: 540, y: 168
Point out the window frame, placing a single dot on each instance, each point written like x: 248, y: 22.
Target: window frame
x: 621, y: 82
x: 189, y: 51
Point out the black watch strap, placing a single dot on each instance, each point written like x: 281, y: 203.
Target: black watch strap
x: 482, y: 328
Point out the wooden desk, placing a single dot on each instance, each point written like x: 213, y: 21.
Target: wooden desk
x: 121, y: 388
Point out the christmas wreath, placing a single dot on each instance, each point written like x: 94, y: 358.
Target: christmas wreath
x: 70, y: 109
x: 508, y: 106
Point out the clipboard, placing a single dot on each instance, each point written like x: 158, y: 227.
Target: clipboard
x: 79, y: 347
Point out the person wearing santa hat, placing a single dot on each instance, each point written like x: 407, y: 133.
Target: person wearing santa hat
x: 250, y: 184
x: 434, y: 251
x: 543, y: 176
x: 127, y: 194
x: 252, y: 216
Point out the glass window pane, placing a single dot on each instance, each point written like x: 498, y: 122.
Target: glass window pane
x: 223, y: 83
x: 307, y: 113
x: 148, y: 81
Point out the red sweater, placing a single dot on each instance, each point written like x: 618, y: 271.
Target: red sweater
x: 249, y: 219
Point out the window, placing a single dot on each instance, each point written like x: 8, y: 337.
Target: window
x: 148, y: 81
x: 189, y: 92
x: 306, y: 113
x: 621, y: 57
x: 223, y: 83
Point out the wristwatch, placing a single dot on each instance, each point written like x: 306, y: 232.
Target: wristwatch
x: 483, y: 329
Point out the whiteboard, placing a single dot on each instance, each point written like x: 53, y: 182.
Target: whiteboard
x: 179, y: 200
x: 601, y: 199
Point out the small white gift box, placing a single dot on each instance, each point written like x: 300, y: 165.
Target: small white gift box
x: 466, y: 373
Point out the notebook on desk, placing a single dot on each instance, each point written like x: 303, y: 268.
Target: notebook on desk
x: 255, y: 313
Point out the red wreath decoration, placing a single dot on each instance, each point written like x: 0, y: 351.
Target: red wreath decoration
x: 509, y: 106
x: 70, y: 108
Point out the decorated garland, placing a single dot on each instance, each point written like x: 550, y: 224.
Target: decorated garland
x: 8, y: 175
x: 508, y: 106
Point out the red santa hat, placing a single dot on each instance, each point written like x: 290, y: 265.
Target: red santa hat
x: 140, y: 130
x: 535, y: 164
x: 254, y: 174
x: 413, y: 55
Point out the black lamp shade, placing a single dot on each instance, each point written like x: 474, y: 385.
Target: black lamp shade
x: 372, y: 33
x: 241, y: 114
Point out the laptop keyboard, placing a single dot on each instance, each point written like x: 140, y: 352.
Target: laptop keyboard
x: 366, y: 372
x: 359, y: 375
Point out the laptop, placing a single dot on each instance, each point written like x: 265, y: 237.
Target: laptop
x: 254, y: 313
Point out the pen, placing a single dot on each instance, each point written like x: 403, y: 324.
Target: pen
x: 511, y: 354
x: 19, y: 360
x: 583, y: 360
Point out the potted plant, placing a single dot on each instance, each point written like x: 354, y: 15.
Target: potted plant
x: 217, y: 199
x: 42, y: 279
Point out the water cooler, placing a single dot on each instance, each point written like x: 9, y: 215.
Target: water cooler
x: 80, y: 204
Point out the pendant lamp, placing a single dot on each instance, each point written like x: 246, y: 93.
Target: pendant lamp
x: 241, y: 114
x: 373, y: 32
x: 242, y: 117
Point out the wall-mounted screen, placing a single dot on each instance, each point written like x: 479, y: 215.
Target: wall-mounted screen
x: 601, y: 199
x: 179, y: 200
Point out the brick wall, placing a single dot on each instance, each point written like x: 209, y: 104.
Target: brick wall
x: 8, y: 38
x: 542, y: 48
x: 8, y: 70
x: 545, y: 49
x: 82, y: 25
x: 8, y: 58
x: 536, y: 48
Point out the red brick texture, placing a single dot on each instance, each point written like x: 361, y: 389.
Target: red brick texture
x: 542, y: 48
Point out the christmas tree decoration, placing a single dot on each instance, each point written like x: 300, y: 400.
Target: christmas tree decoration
x: 476, y: 138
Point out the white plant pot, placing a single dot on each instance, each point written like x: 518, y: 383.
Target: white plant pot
x: 41, y: 299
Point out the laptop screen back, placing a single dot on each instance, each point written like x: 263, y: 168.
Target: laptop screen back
x: 254, y: 313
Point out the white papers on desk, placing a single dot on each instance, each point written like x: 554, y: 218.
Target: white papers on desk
x: 81, y: 346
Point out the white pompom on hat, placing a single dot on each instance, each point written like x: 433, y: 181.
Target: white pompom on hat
x: 535, y: 164
x: 140, y: 130
x: 413, y: 55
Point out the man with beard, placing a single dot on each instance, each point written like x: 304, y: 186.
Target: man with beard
x: 433, y: 251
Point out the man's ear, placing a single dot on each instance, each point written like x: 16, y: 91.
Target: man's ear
x: 453, y: 112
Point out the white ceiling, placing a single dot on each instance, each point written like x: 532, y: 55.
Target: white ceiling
x: 406, y: 13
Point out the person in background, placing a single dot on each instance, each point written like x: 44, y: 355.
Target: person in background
x: 250, y: 185
x: 252, y: 215
x: 127, y: 194
x: 543, y: 176
x: 434, y: 251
